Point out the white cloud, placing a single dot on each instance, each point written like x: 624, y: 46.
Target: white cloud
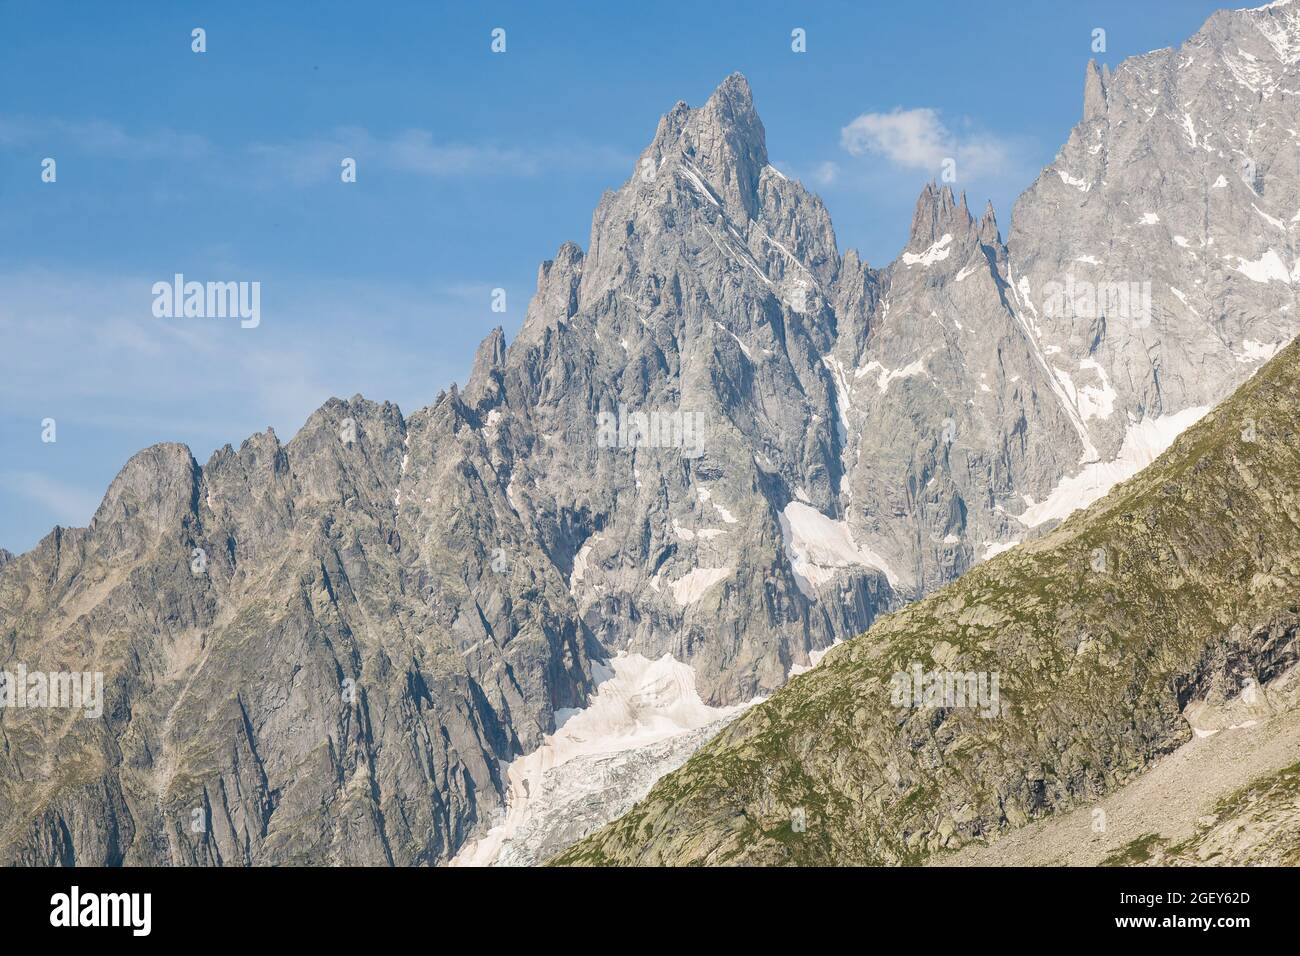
x: 918, y: 139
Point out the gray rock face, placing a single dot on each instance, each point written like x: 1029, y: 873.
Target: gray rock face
x: 687, y: 305
x: 1153, y: 267
x: 714, y: 437
x: 291, y: 675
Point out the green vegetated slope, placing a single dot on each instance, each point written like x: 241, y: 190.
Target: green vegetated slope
x: 1179, y: 587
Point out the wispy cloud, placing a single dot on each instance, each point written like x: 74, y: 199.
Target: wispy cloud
x: 71, y: 506
x: 825, y: 174
x: 919, y: 139
x: 90, y: 341
x: 418, y: 152
x: 314, y: 160
x: 103, y: 138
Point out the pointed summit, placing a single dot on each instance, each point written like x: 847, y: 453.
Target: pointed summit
x: 988, y: 226
x: 723, y: 141
x: 726, y: 141
x: 732, y: 106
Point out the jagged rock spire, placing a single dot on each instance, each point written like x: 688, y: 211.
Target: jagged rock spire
x: 937, y: 212
x: 1094, y: 92
x: 988, y: 226
x: 489, y: 364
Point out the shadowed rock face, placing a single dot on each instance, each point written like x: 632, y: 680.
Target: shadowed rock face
x: 389, y: 607
x: 1167, y: 609
x: 288, y: 669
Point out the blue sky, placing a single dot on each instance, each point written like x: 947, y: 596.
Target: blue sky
x: 472, y: 168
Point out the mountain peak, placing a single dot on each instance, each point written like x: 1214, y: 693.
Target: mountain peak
x: 723, y: 140
x: 733, y: 98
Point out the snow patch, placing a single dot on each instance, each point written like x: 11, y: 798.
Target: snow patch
x: 1144, y: 442
x: 743, y: 347
x: 1080, y: 184
x: 1252, y: 351
x: 1270, y: 219
x: 887, y: 375
x: 1021, y: 290
x: 938, y: 251
x: 694, y: 179
x: 406, y: 459
x: 691, y: 587
x: 814, y: 658
x: 580, y: 564
x: 997, y: 547
x: 1091, y: 401
x: 1183, y: 299
x: 843, y: 401
x: 706, y: 496
x: 818, y: 547
x: 1267, y: 268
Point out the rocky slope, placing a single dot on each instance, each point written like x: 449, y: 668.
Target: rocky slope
x: 1228, y: 798
x: 1258, y: 825
x: 391, y: 606
x: 1157, y: 614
